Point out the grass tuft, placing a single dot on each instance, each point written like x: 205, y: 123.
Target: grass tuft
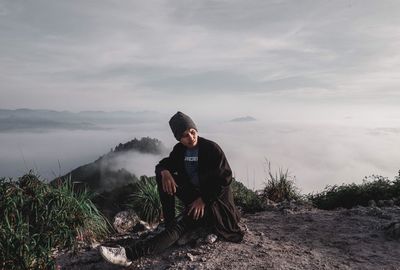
x: 280, y: 186
x: 146, y: 202
x: 38, y: 219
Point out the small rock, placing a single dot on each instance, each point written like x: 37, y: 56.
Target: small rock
x: 124, y: 221
x: 94, y: 244
x: 287, y: 211
x: 196, y: 252
x: 389, y: 203
x: 269, y: 205
x: 371, y: 203
x: 269, y: 202
x: 243, y: 227
x: 374, y: 211
x: 396, y: 201
x: 392, y: 231
x: 381, y: 203
x: 259, y: 245
x: 190, y: 256
x: 211, y: 238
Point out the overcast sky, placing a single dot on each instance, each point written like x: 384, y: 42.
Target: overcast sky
x: 111, y: 55
x: 333, y: 63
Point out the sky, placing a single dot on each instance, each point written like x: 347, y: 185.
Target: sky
x: 321, y: 78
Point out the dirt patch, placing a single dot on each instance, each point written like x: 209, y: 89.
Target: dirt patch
x: 305, y: 239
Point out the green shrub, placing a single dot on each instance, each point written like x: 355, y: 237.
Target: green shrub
x: 38, y: 218
x: 146, y: 202
x: 247, y: 199
x: 280, y: 186
x: 349, y: 195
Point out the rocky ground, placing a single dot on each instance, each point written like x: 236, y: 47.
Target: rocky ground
x: 283, y: 238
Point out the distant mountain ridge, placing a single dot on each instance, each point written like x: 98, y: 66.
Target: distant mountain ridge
x: 29, y: 119
x: 144, y: 145
x: 244, y: 119
x: 101, y: 174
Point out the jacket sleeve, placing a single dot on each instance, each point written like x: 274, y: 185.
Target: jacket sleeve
x: 218, y: 175
x: 169, y: 163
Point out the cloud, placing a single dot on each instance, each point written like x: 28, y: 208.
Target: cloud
x: 137, y: 163
x: 113, y: 50
x: 318, y: 153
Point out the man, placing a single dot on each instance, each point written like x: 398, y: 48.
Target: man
x: 198, y: 173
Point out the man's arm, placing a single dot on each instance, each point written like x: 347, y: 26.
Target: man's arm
x: 166, y: 167
x: 169, y: 163
x: 218, y: 174
x: 168, y: 183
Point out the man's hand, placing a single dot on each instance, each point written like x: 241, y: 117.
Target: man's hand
x: 168, y: 182
x: 197, y: 208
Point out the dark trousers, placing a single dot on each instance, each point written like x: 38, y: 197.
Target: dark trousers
x: 175, y: 228
x: 185, y: 191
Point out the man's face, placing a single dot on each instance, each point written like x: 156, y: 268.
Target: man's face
x: 189, y: 138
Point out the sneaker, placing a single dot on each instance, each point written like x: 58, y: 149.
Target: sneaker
x: 114, y: 255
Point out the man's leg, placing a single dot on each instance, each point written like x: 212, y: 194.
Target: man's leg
x: 185, y: 191
x: 163, y: 240
x: 174, y: 230
x: 167, y: 202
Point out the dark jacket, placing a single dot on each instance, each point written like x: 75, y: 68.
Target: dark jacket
x: 215, y: 177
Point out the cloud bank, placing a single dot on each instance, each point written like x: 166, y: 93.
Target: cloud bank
x: 121, y: 55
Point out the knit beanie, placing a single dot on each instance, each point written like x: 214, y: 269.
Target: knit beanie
x: 179, y: 123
